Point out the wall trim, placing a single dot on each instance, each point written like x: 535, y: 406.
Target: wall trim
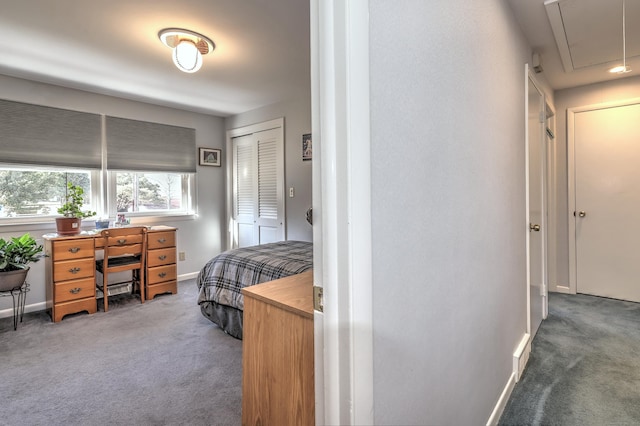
x: 341, y: 196
x: 34, y: 307
x: 521, y: 356
x: 502, y: 401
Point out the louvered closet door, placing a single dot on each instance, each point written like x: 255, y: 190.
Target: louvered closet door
x: 258, y: 183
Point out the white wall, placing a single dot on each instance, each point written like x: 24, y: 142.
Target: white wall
x: 200, y: 238
x: 297, y: 121
x: 448, y: 207
x: 616, y: 90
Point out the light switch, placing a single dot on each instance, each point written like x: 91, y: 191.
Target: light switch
x: 291, y: 192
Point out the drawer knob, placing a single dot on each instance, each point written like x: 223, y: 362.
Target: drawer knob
x: 162, y: 240
x: 122, y: 241
x: 163, y: 257
x: 75, y: 290
x: 162, y: 274
x: 74, y: 249
x: 74, y: 270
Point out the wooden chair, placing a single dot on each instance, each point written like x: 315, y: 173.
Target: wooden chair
x: 124, y: 250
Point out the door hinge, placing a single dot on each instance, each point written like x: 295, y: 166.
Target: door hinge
x: 318, y: 303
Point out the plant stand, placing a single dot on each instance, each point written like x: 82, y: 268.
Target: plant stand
x: 19, y: 293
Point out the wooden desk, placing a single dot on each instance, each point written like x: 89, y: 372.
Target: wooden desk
x: 277, y: 352
x: 71, y: 269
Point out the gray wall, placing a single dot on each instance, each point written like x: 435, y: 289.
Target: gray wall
x: 616, y: 90
x: 448, y: 207
x: 200, y: 237
x: 297, y: 121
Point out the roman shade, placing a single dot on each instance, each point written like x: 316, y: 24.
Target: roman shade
x: 144, y: 146
x: 40, y: 135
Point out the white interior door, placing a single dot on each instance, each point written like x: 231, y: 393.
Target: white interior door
x: 258, y: 213
x: 607, y: 198
x: 536, y: 206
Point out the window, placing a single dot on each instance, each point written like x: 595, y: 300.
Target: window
x: 29, y: 194
x: 37, y: 192
x: 151, y: 192
x: 131, y: 166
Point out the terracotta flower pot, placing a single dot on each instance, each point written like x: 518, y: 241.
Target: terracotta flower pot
x: 12, y: 279
x: 68, y: 225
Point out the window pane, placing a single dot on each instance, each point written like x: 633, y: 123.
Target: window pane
x: 141, y: 192
x: 25, y: 193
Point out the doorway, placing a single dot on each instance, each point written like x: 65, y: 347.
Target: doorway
x: 603, y: 165
x: 536, y: 205
x: 255, y: 176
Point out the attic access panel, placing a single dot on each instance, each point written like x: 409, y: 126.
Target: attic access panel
x: 589, y: 32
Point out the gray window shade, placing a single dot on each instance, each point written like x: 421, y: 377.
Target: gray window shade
x: 142, y: 146
x: 40, y: 135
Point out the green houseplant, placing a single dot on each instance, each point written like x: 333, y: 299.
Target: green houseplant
x: 15, y: 256
x: 72, y: 211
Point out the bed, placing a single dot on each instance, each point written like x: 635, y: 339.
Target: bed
x: 221, y: 280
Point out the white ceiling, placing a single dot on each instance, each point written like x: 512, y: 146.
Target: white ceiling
x: 262, y: 47
x: 112, y: 47
x: 591, y: 32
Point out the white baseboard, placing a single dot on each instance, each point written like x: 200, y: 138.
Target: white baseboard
x: 521, y: 356
x: 564, y: 289
x: 34, y: 307
x: 41, y: 306
x: 188, y: 276
x: 502, y: 401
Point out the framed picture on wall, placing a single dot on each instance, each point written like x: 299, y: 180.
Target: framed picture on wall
x: 210, y: 157
x: 306, y: 146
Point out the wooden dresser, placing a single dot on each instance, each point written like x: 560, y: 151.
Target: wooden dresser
x: 70, y: 274
x: 162, y: 271
x: 277, y: 352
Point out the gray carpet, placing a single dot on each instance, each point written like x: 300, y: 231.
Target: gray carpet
x: 160, y: 363
x: 584, y: 367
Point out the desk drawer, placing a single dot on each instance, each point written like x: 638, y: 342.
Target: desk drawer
x: 73, y: 269
x: 73, y: 290
x: 161, y: 273
x: 158, y: 240
x: 76, y: 248
x: 161, y: 257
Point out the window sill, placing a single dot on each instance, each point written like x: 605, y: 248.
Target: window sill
x: 49, y: 224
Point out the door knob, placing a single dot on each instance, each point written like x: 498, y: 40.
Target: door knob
x: 582, y: 213
x: 533, y: 227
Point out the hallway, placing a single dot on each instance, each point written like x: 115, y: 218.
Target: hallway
x: 584, y: 367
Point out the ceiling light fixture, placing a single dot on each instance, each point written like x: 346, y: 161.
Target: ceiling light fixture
x: 188, y: 47
x: 622, y: 69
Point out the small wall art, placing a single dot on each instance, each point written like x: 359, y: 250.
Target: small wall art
x: 306, y: 146
x: 210, y: 157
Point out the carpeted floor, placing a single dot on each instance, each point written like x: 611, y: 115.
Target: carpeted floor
x: 584, y: 367
x: 157, y: 363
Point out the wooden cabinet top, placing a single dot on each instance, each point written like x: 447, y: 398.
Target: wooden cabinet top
x: 293, y: 293
x: 93, y: 233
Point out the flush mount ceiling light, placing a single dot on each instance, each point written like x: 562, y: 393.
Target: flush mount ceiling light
x: 622, y: 69
x: 188, y: 47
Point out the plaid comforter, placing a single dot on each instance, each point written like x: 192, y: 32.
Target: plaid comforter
x: 223, y: 277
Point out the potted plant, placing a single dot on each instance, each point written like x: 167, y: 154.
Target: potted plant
x: 72, y: 211
x: 15, y: 256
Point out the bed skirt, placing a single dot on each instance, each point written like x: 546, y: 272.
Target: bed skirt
x: 228, y: 318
